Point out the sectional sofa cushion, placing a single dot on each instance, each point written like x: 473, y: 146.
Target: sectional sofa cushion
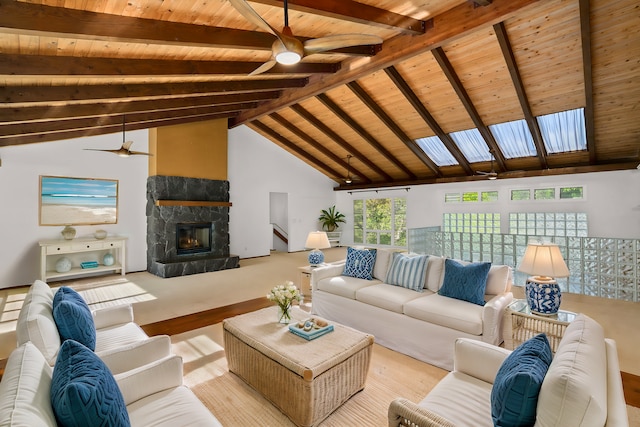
x: 389, y: 297
x: 383, y: 260
x: 35, y: 321
x: 343, y: 286
x: 498, y: 280
x: 514, y: 395
x: 574, y: 391
x: 73, y: 317
x: 83, y: 390
x: 448, y: 312
x: 435, y: 273
x: 408, y: 271
x: 359, y: 263
x: 465, y: 282
x: 24, y: 390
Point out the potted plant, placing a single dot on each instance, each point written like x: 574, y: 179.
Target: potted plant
x: 331, y: 219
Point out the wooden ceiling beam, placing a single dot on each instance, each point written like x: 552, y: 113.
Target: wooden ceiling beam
x: 605, y: 167
x: 458, y: 87
x: 50, y: 21
x: 454, y: 23
x: 50, y: 126
x: 351, y: 11
x: 102, y: 130
x: 516, y: 78
x: 350, y: 149
x: 589, y: 109
x: 316, y: 145
x: 273, y: 135
x: 417, y: 105
x: 41, y: 65
x: 68, y: 94
x: 9, y: 113
x: 393, y: 127
x: 349, y: 121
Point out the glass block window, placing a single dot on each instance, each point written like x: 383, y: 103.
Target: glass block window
x: 380, y: 222
x: 570, y: 224
x: 544, y: 194
x: 485, y: 223
x: 520, y: 194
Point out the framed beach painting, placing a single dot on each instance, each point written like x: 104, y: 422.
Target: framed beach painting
x: 78, y: 201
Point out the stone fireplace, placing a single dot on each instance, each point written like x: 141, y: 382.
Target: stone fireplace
x: 187, y: 226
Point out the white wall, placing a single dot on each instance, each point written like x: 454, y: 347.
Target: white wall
x: 19, y: 197
x: 612, y: 201
x: 258, y: 167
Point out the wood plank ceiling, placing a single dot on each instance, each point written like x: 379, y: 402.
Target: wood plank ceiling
x: 73, y: 68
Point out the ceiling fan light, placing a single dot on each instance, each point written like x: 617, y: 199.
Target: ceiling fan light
x: 348, y: 181
x: 288, y: 57
x: 492, y: 177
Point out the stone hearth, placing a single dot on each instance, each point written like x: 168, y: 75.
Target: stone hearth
x: 162, y: 257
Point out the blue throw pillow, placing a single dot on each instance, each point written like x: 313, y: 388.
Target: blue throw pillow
x: 465, y: 282
x: 514, y: 396
x: 408, y: 271
x: 83, y: 390
x: 360, y: 263
x: 73, y: 317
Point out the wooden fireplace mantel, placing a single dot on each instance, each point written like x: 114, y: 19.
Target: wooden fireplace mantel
x: 191, y: 203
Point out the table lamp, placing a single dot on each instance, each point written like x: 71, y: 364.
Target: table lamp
x: 544, y: 262
x: 317, y: 240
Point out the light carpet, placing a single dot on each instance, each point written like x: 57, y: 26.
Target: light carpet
x: 234, y: 403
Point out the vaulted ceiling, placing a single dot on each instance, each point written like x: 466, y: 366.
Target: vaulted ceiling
x: 73, y: 68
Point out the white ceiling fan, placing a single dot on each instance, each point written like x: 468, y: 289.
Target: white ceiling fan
x: 490, y: 175
x: 287, y: 49
x: 125, y: 149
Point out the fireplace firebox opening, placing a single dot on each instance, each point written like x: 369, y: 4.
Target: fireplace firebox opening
x: 192, y: 238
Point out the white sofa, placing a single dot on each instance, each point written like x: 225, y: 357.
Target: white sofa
x: 582, y: 386
x: 423, y: 325
x: 153, y: 394
x: 115, y: 328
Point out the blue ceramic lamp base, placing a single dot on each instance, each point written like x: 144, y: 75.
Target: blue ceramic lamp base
x: 543, y: 296
x: 316, y: 257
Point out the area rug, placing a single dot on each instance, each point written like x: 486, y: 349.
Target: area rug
x: 234, y: 403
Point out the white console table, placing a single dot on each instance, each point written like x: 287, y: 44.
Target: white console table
x: 78, y: 251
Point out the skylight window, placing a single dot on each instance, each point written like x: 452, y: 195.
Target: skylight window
x: 514, y: 139
x: 563, y: 132
x: 435, y: 149
x: 472, y: 145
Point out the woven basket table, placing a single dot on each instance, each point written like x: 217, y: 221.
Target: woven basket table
x: 306, y: 380
x: 520, y: 325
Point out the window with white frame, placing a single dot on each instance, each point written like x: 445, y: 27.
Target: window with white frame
x: 380, y: 222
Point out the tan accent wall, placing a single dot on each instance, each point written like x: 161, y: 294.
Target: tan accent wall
x: 194, y: 150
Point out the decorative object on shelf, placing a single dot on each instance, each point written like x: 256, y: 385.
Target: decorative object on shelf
x: 63, y: 265
x: 108, y: 259
x: 100, y: 234
x: 310, y: 329
x: 317, y: 240
x: 544, y: 262
x: 89, y: 264
x: 68, y: 232
x: 331, y: 219
x: 284, y: 295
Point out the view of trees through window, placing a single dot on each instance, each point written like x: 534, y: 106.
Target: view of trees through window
x: 380, y: 221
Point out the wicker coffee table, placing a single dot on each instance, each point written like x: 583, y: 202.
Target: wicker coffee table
x: 306, y: 380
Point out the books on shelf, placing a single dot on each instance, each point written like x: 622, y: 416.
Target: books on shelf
x: 312, y: 334
x: 89, y: 264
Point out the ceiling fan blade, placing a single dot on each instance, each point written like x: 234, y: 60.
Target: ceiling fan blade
x: 106, y: 151
x: 323, y: 44
x: 126, y: 145
x: 139, y: 153
x: 252, y: 16
x: 264, y: 67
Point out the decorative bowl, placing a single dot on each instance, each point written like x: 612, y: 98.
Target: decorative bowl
x: 100, y: 234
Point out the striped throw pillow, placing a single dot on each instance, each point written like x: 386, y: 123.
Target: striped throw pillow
x: 408, y: 271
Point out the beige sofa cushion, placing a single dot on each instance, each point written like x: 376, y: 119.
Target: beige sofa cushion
x: 447, y: 312
x: 381, y: 267
x: 24, y: 390
x: 435, y: 273
x: 388, y: 297
x: 35, y: 321
x: 343, y: 285
x: 574, y: 391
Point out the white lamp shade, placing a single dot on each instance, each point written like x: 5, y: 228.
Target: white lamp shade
x: 317, y: 240
x: 543, y: 260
